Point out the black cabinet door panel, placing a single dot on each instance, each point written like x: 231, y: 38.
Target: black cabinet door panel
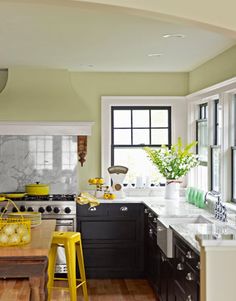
x: 108, y: 230
x: 108, y: 257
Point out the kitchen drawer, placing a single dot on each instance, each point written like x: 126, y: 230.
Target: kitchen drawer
x: 183, y: 253
x: 87, y: 211
x: 123, y: 210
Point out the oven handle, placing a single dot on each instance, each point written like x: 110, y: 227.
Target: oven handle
x: 64, y: 222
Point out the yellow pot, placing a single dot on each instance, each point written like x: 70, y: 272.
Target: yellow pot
x: 37, y: 189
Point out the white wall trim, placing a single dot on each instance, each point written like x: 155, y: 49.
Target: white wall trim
x: 224, y: 86
x: 46, y: 128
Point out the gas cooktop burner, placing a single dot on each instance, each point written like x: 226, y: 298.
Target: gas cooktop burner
x: 50, y: 197
x: 47, y: 198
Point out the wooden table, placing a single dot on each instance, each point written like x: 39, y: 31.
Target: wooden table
x: 31, y: 260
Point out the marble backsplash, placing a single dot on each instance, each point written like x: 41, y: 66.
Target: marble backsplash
x: 46, y: 159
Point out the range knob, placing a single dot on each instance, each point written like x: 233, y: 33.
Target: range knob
x: 49, y: 208
x: 56, y: 210
x: 22, y: 208
x: 41, y: 209
x: 67, y: 210
x: 30, y: 209
x: 14, y: 209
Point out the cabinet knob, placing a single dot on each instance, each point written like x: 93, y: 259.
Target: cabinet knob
x: 189, y: 298
x: 150, y: 214
x: 189, y: 255
x: 163, y: 258
x: 155, y: 220
x: 159, y: 229
x: 92, y: 208
x: 180, y: 267
x: 198, y: 265
x: 150, y: 232
x: 189, y: 276
x: 146, y: 211
x: 123, y: 208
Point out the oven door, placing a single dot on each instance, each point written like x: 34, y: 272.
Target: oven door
x: 64, y: 226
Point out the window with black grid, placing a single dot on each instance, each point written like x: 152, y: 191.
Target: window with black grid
x: 134, y: 127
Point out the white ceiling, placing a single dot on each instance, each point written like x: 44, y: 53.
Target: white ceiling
x: 87, y: 38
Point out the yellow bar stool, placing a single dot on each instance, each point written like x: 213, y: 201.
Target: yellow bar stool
x: 72, y: 243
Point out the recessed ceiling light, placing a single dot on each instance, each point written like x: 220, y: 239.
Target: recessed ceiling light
x: 155, y: 54
x: 174, y: 35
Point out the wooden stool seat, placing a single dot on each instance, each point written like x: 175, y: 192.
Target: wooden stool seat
x: 72, y: 243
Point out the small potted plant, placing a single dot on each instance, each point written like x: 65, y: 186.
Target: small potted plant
x: 173, y: 163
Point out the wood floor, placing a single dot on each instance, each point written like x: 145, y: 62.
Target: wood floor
x: 99, y: 290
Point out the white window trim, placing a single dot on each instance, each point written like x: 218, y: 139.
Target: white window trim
x: 224, y: 92
x: 108, y: 101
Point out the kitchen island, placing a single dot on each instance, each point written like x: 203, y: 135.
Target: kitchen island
x: 30, y: 261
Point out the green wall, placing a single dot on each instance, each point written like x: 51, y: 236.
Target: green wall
x: 216, y: 70
x: 85, y: 104
x: 33, y: 103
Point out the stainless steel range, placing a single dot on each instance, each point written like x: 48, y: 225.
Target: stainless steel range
x: 60, y: 207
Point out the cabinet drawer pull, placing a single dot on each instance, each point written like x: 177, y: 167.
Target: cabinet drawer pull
x: 155, y: 220
x: 189, y: 298
x: 146, y: 210
x: 189, y: 255
x: 123, y: 208
x: 198, y: 265
x: 150, y: 232
x: 163, y: 259
x: 189, y: 277
x: 92, y: 208
x: 180, y: 267
x: 150, y: 214
x: 159, y: 228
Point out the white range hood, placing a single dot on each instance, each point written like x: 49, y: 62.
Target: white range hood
x: 40, y: 101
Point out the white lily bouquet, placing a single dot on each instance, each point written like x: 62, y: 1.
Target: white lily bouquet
x: 175, y: 162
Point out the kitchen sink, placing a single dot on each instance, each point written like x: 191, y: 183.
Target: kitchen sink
x: 165, y: 234
x: 199, y: 219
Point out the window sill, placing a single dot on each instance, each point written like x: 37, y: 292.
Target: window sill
x: 152, y: 191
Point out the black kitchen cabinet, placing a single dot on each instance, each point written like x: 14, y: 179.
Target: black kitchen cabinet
x: 113, y: 239
x: 166, y: 281
x: 152, y: 251
x: 159, y: 268
x: 186, y: 272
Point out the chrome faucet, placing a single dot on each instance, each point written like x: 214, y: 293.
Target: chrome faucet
x: 220, y: 209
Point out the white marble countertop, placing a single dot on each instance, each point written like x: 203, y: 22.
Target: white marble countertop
x: 207, y: 234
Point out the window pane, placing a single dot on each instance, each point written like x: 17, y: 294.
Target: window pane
x: 122, y: 118
x: 138, y: 163
x: 140, y: 118
x: 159, y: 136
x: 122, y: 137
x: 159, y: 118
x: 215, y: 169
x: 202, y: 177
x: 140, y: 136
x: 202, y: 141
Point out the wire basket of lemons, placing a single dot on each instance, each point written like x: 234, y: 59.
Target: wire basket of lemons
x: 13, y: 231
